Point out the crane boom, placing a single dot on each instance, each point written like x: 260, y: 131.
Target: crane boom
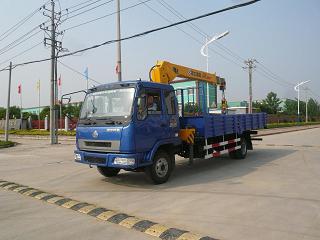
x: 165, y: 72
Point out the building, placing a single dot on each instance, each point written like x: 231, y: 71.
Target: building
x: 194, y: 92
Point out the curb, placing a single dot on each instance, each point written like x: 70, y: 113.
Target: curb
x: 287, y: 131
x: 141, y: 225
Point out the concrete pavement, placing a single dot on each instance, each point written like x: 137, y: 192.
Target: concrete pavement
x: 273, y: 194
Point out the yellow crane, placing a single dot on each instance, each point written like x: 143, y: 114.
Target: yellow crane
x: 165, y: 72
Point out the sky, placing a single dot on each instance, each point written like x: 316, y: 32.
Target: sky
x: 283, y: 36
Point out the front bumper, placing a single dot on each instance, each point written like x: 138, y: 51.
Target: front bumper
x: 107, y: 159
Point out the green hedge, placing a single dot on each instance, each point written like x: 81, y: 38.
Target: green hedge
x: 294, y: 124
x: 39, y: 132
x: 4, y: 144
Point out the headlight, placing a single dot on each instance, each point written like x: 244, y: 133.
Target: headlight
x: 77, y: 157
x: 124, y: 161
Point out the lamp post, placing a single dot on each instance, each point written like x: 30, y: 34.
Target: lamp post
x: 206, y: 54
x: 297, y: 89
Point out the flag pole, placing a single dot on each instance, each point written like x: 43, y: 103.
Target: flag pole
x: 39, y: 122
x: 21, y: 104
x: 60, y: 85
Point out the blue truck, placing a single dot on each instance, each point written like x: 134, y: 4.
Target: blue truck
x: 143, y: 125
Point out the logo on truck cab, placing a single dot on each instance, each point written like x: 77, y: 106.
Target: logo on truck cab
x: 95, y: 134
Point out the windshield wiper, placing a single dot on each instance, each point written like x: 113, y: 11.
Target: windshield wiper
x: 110, y: 121
x: 88, y: 121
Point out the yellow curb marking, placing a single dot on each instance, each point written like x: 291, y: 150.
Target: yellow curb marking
x: 41, y: 195
x: 129, y: 222
x: 54, y: 199
x: 87, y: 209
x: 106, y: 215
x: 19, y: 189
x: 156, y: 230
x: 189, y: 236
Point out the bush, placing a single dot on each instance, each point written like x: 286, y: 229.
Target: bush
x: 6, y: 144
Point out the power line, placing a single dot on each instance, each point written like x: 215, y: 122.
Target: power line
x: 74, y: 70
x: 19, y: 39
x: 110, y: 14
x: 142, y: 33
x: 19, y: 43
x: 266, y: 72
x: 199, y: 30
x: 191, y: 36
x: 20, y: 23
x: 90, y: 9
x: 79, y: 4
x: 274, y: 75
x: 27, y: 50
x: 96, y: 1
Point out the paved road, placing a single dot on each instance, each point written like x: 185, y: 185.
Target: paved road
x: 273, y: 194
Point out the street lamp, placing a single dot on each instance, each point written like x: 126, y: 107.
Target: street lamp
x: 297, y: 89
x: 206, y: 54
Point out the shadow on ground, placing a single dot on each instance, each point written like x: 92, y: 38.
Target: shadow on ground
x: 204, y: 171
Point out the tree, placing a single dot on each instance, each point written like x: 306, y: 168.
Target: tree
x: 45, y: 112
x: 2, y: 113
x: 313, y: 108
x: 271, y: 103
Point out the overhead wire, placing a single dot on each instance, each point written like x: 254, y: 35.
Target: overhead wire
x: 16, y: 26
x: 110, y: 14
x: 142, y: 33
x: 88, y: 10
x: 190, y: 35
x: 76, y: 71
x: 21, y: 53
x: 199, y: 30
x: 266, y: 72
x: 18, y: 42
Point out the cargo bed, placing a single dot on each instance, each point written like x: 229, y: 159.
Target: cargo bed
x: 214, y: 125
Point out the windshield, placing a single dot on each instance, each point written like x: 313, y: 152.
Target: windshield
x: 108, y: 103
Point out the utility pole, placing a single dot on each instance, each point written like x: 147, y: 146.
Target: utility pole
x: 6, y: 135
x: 306, y: 89
x: 56, y: 47
x: 119, y: 65
x: 250, y: 66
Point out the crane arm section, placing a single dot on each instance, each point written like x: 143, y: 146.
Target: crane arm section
x: 165, y: 72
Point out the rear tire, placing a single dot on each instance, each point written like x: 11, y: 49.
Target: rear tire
x: 242, y: 152
x: 108, y: 172
x: 161, y: 168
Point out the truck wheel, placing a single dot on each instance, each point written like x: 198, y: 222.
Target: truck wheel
x: 108, y: 172
x: 161, y: 168
x: 242, y: 152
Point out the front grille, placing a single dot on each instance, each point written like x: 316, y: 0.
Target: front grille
x: 91, y: 159
x: 98, y: 144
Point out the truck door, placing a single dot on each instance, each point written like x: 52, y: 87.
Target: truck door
x: 171, y: 114
x: 151, y: 122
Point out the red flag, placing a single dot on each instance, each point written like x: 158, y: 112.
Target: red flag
x: 19, y: 88
x: 59, y: 81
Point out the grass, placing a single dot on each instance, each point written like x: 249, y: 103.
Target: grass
x: 6, y: 144
x: 39, y: 132
x: 294, y: 124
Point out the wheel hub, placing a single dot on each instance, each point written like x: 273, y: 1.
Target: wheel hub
x: 162, y: 167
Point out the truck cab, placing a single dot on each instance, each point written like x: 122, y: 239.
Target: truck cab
x: 132, y: 125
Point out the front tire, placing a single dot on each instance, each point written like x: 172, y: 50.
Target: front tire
x: 108, y: 172
x: 242, y: 152
x: 161, y: 168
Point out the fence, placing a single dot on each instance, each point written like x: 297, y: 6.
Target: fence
x: 72, y: 123
x: 274, y: 118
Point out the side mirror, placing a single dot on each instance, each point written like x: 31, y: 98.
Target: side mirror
x: 142, y: 108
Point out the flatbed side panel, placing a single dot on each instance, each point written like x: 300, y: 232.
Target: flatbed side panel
x: 213, y: 125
